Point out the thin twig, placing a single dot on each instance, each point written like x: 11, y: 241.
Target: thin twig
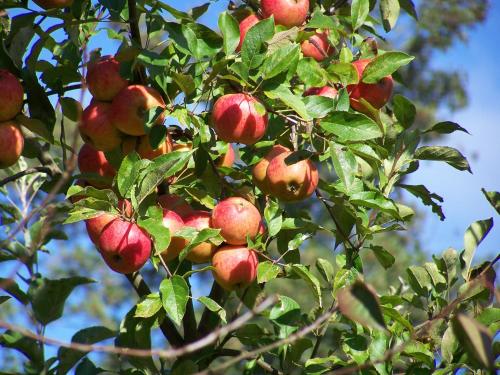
x: 39, y: 169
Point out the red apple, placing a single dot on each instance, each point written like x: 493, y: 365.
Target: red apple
x: 11, y: 143
x: 227, y: 160
x: 124, y: 246
x: 175, y: 203
x: 234, y: 266
x: 237, y: 218
x: 245, y: 25
x: 260, y: 169
x: 11, y: 101
x: 96, y: 128
x: 130, y: 106
x: 174, y: 223
x: 239, y: 118
x: 145, y: 150
x: 286, y: 12
x: 91, y: 160
x: 104, y: 80
x: 52, y: 4
x: 317, y: 46
x: 203, y: 252
x: 293, y: 182
x: 96, y: 225
x: 377, y: 94
x: 327, y: 91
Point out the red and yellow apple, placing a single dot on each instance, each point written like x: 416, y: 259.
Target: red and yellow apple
x: 288, y: 13
x: 174, y: 223
x: 259, y: 171
x: 203, y: 252
x: 104, y: 80
x: 91, y: 160
x: 326, y: 91
x: 145, y: 150
x: 11, y: 143
x: 96, y: 128
x: 11, y: 100
x: 317, y: 46
x: 175, y: 203
x: 239, y: 118
x: 234, y: 266
x: 245, y: 25
x: 227, y: 160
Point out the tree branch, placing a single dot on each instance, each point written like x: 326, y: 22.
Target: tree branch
x: 166, y: 326
x: 40, y: 169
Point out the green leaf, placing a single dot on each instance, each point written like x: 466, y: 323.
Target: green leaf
x: 409, y: 7
x: 385, y: 258
x: 404, y: 110
x: 360, y: 303
x: 343, y: 72
x: 449, y: 345
x: 4, y: 299
x: 419, y: 280
x: 25, y: 345
x: 174, y: 293
x: 473, y: 236
x: 450, y: 262
x: 185, y: 82
x: 345, y: 164
x: 254, y: 40
x: 494, y: 198
x: 352, y: 127
x: 443, y: 153
x: 295, y: 102
x: 438, y: 280
x: 318, y: 106
x: 427, y: 198
x: 154, y: 226
x: 325, y: 269
x: 214, y: 307
x: 267, y: 271
x: 286, y: 312
x: 149, y: 306
x: 374, y: 199
x: 274, y: 218
x: 389, y: 9
x: 306, y: 275
x: 446, y: 127
x: 43, y: 290
x: 311, y: 73
x: 384, y: 65
x: 127, y: 174
x: 69, y: 357
x: 10, y: 286
x: 230, y: 32
x: 359, y: 12
x: 321, y: 21
x: 279, y: 61
x: 476, y: 340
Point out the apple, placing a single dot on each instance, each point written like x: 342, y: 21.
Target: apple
x: 174, y: 223
x: 104, y: 80
x: 234, y: 266
x: 377, y: 94
x: 227, y: 160
x: 11, y: 101
x: 259, y: 170
x: 317, y: 46
x: 293, y: 182
x: 288, y: 13
x: 130, y: 106
x: 175, y: 203
x: 91, y: 160
x: 239, y: 118
x: 96, y: 128
x: 96, y: 225
x: 237, y: 218
x: 124, y: 246
x: 52, y: 4
x: 145, y: 150
x: 245, y: 25
x: 327, y: 91
x: 11, y: 143
x: 203, y: 252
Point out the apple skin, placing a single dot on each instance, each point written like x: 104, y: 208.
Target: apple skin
x: 104, y: 80
x: 11, y: 101
x: 377, y: 94
x: 310, y: 47
x: 237, y: 218
x: 96, y: 225
x: 124, y: 246
x: 53, y: 4
x: 259, y: 174
x: 288, y: 13
x: 96, y: 128
x: 11, y: 143
x: 145, y: 150
x: 91, y: 160
x: 236, y: 119
x: 227, y: 160
x: 234, y: 266
x: 174, y: 223
x: 245, y: 25
x: 293, y: 182
x: 175, y: 203
x: 130, y: 106
x: 326, y: 91
x: 203, y: 252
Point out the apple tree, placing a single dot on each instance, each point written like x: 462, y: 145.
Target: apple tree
x: 203, y: 157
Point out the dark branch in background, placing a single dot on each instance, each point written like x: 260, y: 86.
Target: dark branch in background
x: 135, y: 34
x: 209, y: 319
x: 189, y: 320
x: 40, y: 169
x: 166, y: 326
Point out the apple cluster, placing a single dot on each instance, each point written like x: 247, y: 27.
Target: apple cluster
x: 11, y: 104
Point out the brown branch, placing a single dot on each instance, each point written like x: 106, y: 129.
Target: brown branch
x: 166, y: 326
x: 40, y: 169
x: 163, y: 353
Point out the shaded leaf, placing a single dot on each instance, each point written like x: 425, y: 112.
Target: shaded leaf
x: 494, y: 198
x: 446, y: 127
x: 473, y: 236
x: 214, y: 307
x: 443, y: 153
x: 351, y: 126
x: 174, y: 293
